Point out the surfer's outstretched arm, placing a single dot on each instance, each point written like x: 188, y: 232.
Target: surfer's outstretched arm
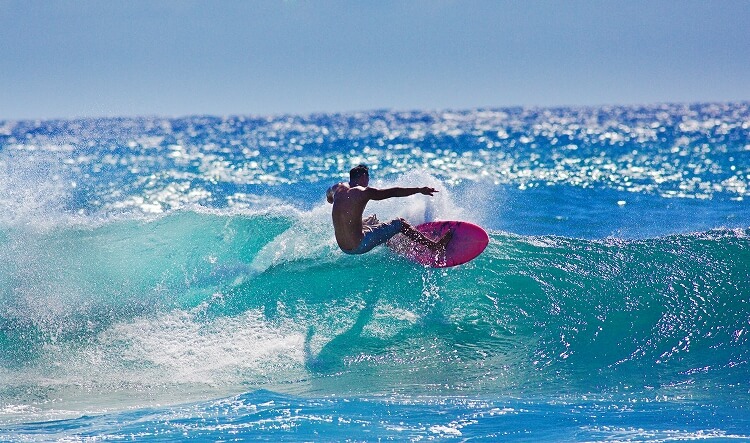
x: 382, y: 194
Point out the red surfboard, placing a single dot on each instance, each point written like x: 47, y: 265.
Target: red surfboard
x: 468, y: 241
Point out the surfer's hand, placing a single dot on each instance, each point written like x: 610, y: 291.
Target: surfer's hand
x: 428, y: 191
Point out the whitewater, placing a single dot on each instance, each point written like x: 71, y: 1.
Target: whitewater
x: 177, y: 278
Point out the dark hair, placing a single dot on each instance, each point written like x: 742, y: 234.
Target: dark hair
x: 358, y: 172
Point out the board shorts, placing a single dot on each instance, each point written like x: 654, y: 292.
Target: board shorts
x: 376, y: 234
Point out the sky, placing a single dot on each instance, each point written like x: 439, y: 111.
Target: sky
x: 101, y: 58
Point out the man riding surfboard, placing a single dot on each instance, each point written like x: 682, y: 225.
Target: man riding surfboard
x: 357, y: 236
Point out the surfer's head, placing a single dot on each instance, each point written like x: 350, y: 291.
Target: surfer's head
x: 359, y: 176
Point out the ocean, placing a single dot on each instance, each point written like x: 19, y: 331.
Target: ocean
x: 165, y: 279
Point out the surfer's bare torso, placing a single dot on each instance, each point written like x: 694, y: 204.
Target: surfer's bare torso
x: 348, y: 206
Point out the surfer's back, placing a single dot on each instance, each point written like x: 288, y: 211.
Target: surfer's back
x: 348, y: 206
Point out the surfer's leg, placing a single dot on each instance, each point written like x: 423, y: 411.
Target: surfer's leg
x: 416, y: 236
x: 376, y: 235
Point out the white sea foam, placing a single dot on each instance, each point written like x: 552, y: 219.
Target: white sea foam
x: 175, y: 347
x: 166, y: 358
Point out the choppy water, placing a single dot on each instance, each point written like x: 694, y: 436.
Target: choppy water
x: 172, y: 278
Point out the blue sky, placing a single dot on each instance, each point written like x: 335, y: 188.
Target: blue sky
x: 172, y: 58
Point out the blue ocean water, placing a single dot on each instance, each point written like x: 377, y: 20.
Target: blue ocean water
x: 177, y: 278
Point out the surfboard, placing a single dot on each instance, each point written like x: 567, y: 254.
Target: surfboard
x: 468, y: 241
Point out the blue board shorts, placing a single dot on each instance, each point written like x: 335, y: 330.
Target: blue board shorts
x: 376, y: 234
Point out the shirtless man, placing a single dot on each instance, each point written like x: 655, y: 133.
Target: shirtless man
x: 357, y: 236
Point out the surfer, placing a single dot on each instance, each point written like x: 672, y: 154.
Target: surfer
x: 357, y: 236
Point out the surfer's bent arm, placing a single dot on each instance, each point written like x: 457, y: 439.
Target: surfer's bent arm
x: 382, y: 194
x: 331, y: 191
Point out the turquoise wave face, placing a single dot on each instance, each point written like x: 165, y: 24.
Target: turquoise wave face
x: 196, y: 304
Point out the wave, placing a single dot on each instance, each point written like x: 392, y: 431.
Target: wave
x: 200, y: 303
